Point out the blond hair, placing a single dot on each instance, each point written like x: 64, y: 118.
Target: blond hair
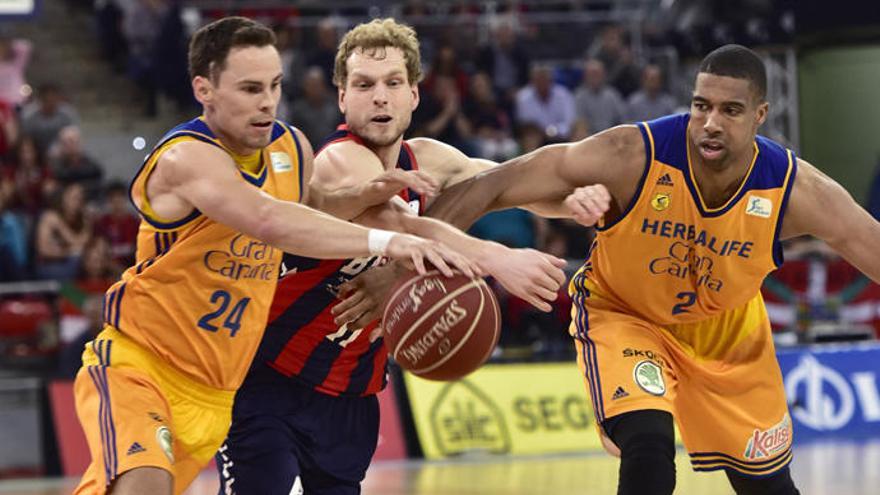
x: 372, y: 38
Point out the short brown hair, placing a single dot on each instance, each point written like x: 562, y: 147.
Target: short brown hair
x: 371, y: 38
x: 211, y: 44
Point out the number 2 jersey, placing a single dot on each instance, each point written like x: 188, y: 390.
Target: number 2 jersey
x: 199, y: 293
x: 301, y: 340
x: 671, y: 259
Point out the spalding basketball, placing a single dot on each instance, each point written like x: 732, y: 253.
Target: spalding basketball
x: 441, y: 328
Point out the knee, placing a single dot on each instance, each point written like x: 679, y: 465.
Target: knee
x: 779, y: 483
x: 646, y: 440
x: 648, y: 433
x: 143, y: 480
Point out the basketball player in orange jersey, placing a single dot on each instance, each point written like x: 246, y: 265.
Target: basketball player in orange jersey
x: 306, y: 418
x: 220, y: 201
x: 668, y: 319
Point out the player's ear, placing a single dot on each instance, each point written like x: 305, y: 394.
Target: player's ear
x: 203, y: 89
x: 763, y: 108
x: 340, y: 99
x: 415, y: 93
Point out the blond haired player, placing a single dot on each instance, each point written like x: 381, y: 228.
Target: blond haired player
x: 667, y: 315
x: 306, y: 418
x: 219, y: 200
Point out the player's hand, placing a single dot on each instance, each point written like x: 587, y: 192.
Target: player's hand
x: 363, y: 297
x: 415, y: 252
x: 587, y: 204
x: 528, y: 274
x: 391, y: 182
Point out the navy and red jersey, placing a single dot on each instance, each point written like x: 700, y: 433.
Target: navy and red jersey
x: 301, y: 341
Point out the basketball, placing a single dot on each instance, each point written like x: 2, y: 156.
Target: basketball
x: 441, y: 328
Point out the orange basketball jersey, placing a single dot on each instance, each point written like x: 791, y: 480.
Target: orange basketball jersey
x: 670, y: 258
x: 199, y: 293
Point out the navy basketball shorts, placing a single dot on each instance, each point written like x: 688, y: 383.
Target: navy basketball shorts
x: 288, y: 439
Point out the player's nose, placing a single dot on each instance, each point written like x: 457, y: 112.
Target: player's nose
x: 380, y: 94
x: 712, y: 124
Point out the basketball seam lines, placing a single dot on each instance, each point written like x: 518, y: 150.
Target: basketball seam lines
x: 467, y: 335
x: 425, y: 316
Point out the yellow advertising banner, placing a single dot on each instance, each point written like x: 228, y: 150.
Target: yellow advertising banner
x: 504, y: 409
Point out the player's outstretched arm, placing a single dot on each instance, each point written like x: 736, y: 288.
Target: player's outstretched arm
x: 615, y: 158
x: 349, y: 202
x: 821, y: 207
x: 530, y: 274
x: 454, y: 166
x: 198, y: 175
x: 527, y: 273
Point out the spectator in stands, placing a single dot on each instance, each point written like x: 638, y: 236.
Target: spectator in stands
x: 71, y: 164
x: 293, y: 60
x: 516, y: 227
x: 439, y: 115
x: 108, y: 24
x: 30, y: 177
x: 70, y: 357
x: 13, y: 241
x: 446, y: 64
x: 62, y: 233
x: 575, y: 237
x: 169, y: 62
x: 548, y: 105
x: 14, y: 57
x: 506, y: 61
x: 613, y: 50
x: 141, y: 26
x: 599, y: 105
x: 323, y: 52
x: 486, y: 122
x: 651, y: 101
x: 9, y: 130
x: 43, y: 119
x: 119, y: 225
x: 316, y: 113
x: 96, y: 273
x: 529, y: 138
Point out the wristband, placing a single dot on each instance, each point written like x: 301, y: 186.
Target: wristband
x: 377, y: 241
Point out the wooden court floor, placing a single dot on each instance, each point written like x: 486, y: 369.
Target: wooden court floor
x: 819, y: 469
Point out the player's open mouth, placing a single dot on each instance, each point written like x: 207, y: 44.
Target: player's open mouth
x: 711, y: 149
x: 381, y: 119
x: 262, y: 125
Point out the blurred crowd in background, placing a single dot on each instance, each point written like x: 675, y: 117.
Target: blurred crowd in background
x: 494, y: 91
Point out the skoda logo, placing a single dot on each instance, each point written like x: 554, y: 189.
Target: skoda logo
x: 823, y: 400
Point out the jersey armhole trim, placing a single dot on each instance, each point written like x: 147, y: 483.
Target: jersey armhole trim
x: 648, y: 139
x: 299, y: 160
x: 147, y: 212
x: 778, y: 257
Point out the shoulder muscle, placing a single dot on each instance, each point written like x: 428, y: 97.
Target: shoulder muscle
x: 345, y: 164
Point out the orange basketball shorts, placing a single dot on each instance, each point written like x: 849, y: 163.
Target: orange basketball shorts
x: 138, y: 411
x: 718, y: 378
